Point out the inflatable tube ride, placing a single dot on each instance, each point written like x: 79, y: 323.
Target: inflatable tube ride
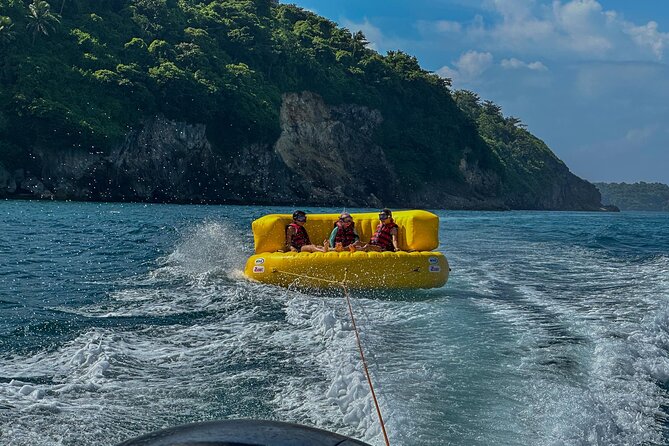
x: 242, y: 433
x: 415, y: 266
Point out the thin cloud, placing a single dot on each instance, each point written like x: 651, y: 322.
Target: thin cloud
x: 511, y: 10
x: 472, y: 65
x: 574, y: 29
x: 514, y: 63
x: 640, y: 135
x: 468, y: 67
x: 448, y: 26
x: 439, y: 26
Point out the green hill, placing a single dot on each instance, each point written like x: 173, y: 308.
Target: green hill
x: 636, y: 196
x: 78, y: 77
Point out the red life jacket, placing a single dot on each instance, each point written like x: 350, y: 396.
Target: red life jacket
x: 345, y: 235
x: 382, y: 237
x: 300, y: 238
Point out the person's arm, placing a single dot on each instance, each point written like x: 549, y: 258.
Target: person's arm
x: 290, y: 232
x: 396, y: 244
x: 333, y: 235
x: 355, y: 235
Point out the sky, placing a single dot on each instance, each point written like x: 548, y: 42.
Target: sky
x: 588, y: 77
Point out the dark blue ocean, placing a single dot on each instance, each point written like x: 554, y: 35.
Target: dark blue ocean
x: 119, y: 319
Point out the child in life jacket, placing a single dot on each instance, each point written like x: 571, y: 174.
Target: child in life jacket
x: 385, y: 236
x: 344, y: 235
x: 297, y: 239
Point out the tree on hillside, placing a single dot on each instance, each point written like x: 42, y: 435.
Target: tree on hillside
x: 513, y: 121
x: 360, y: 42
x: 6, y: 33
x: 493, y: 110
x: 469, y: 102
x: 40, y: 18
x: 405, y: 65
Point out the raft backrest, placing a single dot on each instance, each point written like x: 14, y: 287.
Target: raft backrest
x: 418, y: 230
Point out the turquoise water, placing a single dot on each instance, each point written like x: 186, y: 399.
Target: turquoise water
x: 118, y: 319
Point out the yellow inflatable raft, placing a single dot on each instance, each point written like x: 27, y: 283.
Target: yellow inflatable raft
x: 416, y: 266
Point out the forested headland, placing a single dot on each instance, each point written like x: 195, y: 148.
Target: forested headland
x: 250, y: 102
x: 639, y: 196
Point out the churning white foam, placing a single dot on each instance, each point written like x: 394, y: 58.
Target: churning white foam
x: 210, y: 249
x: 592, y: 346
x: 191, y: 343
x: 320, y: 334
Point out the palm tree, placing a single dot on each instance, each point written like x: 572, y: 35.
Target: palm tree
x: 6, y: 36
x: 359, y: 42
x: 40, y: 18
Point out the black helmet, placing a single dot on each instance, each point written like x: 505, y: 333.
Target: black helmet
x: 297, y: 214
x: 385, y: 213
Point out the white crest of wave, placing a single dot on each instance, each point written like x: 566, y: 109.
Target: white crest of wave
x: 210, y: 249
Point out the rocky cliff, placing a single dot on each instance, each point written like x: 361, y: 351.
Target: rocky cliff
x: 325, y: 155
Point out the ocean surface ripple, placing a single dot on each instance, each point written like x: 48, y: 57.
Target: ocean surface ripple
x: 119, y: 319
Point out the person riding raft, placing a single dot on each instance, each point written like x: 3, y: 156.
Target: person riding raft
x: 344, y: 235
x: 385, y: 236
x: 297, y: 239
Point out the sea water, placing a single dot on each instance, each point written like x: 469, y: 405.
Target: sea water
x: 119, y: 319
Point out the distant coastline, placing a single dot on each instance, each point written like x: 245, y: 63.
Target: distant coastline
x: 639, y: 196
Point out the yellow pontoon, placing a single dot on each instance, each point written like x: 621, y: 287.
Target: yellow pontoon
x: 416, y: 266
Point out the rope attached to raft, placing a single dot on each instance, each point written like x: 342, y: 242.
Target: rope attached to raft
x: 357, y: 337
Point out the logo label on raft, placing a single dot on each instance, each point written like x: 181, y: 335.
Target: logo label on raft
x: 433, y: 260
x: 258, y: 269
x: 435, y: 268
x: 260, y: 261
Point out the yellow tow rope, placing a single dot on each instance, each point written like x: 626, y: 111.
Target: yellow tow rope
x: 357, y: 337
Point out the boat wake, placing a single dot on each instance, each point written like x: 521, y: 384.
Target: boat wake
x: 191, y: 341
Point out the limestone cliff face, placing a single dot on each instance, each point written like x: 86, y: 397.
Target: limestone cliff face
x: 331, y: 151
x: 163, y: 161
x: 325, y: 155
x: 160, y: 161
